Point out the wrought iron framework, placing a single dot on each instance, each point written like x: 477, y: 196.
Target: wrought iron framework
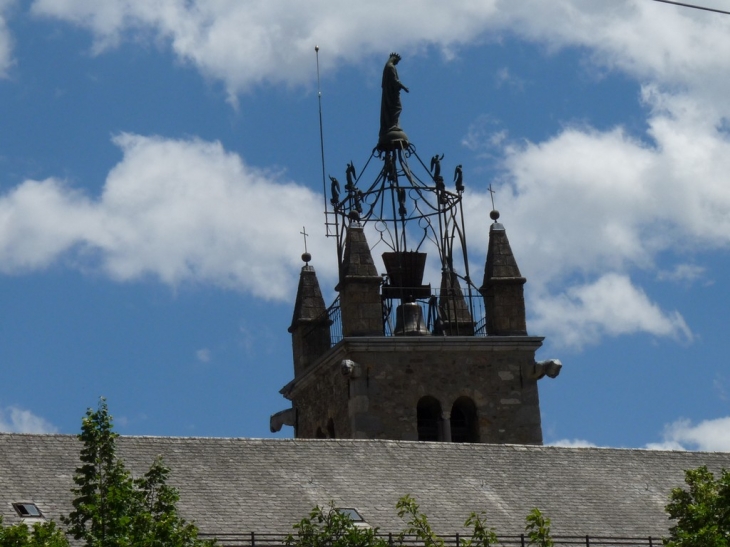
x: 409, y: 206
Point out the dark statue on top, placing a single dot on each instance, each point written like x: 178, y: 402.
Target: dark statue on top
x: 459, y: 179
x: 436, y: 166
x: 335, y: 190
x: 390, y: 105
x: 351, y: 175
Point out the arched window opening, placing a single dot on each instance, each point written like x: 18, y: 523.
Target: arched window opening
x: 320, y: 433
x: 429, y: 415
x: 464, y: 423
x: 331, y: 428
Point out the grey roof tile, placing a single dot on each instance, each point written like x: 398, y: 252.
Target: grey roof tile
x: 244, y: 485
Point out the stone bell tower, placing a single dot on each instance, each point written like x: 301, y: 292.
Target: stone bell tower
x: 392, y: 357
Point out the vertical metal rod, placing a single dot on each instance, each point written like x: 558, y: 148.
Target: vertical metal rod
x: 321, y: 142
x: 466, y: 260
x: 406, y: 172
x: 253, y: 539
x: 522, y: 540
x: 393, y: 189
x: 442, y: 229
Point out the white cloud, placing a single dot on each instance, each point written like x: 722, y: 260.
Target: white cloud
x: 642, y: 38
x: 719, y: 385
x: 587, y: 189
x: 590, y: 207
x: 709, y: 435
x: 572, y: 443
x: 485, y: 135
x: 611, y: 306
x: 203, y: 355
x: 6, y: 39
x: 261, y: 41
x: 179, y: 210
x: 682, y: 273
x: 505, y: 77
x: 16, y: 420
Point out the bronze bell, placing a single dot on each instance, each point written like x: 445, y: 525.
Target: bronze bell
x: 409, y: 320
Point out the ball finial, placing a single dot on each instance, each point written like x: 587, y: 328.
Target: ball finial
x: 306, y: 257
x: 494, y: 215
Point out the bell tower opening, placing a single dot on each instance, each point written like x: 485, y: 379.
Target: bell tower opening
x: 428, y: 415
x: 464, y: 421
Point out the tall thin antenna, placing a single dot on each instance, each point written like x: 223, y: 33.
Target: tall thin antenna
x: 695, y: 6
x: 321, y: 136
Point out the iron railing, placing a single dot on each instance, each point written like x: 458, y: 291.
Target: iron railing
x: 447, y: 315
x: 334, y: 319
x: 253, y: 539
x: 461, y: 316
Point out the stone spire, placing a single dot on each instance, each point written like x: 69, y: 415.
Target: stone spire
x: 502, y: 289
x: 310, y: 326
x: 359, y: 287
x: 457, y: 321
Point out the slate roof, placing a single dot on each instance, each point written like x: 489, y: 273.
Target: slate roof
x: 242, y: 485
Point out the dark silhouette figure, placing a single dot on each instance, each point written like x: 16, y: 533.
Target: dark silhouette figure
x: 390, y: 105
x: 459, y: 179
x: 351, y: 176
x: 436, y: 165
x: 335, y: 189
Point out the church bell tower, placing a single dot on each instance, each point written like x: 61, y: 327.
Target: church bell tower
x: 394, y: 357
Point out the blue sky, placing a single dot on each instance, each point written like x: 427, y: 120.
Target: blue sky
x: 158, y: 161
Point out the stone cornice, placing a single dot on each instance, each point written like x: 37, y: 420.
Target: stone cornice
x: 411, y: 344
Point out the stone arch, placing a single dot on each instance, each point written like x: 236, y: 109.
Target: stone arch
x: 464, y: 421
x: 428, y: 413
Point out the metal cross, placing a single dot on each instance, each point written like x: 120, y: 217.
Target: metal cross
x: 305, y: 234
x: 491, y: 192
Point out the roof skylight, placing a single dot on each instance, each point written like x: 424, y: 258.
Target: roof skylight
x: 352, y: 513
x: 27, y: 510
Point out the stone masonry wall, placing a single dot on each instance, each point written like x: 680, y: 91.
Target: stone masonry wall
x: 505, y: 305
x: 325, y: 396
x: 379, y: 399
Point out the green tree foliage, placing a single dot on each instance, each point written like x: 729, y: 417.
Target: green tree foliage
x: 331, y: 528
x: 538, y: 529
x: 481, y: 536
x: 105, y: 501
x: 156, y: 522
x: 701, y: 512
x: 111, y: 509
x: 44, y: 534
x: 417, y: 523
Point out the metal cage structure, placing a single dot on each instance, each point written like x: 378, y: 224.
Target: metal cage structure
x: 410, y: 207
